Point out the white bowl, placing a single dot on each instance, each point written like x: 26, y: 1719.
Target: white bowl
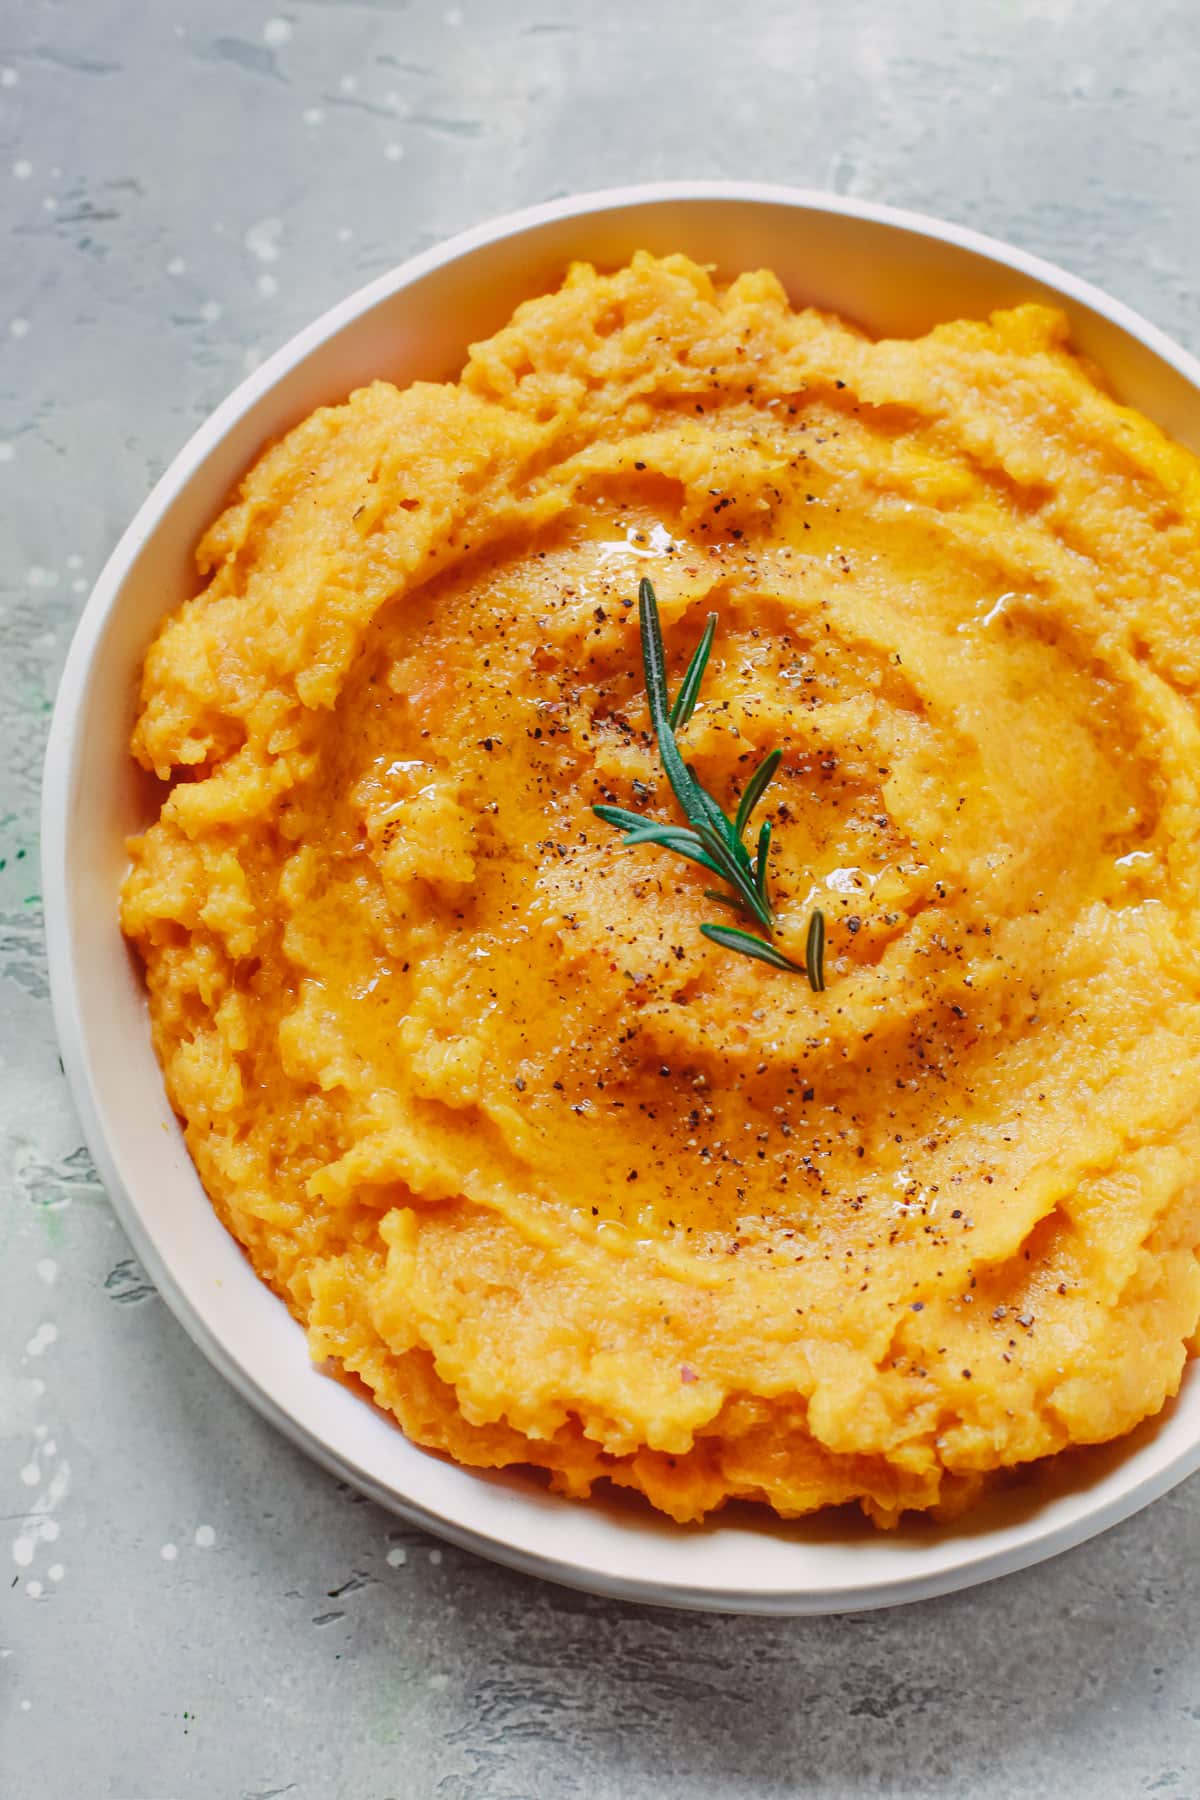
x: 893, y: 272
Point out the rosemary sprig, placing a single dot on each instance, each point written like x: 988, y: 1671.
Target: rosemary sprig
x: 710, y: 838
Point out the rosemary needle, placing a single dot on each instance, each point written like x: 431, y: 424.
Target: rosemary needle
x: 814, y: 952
x: 730, y: 938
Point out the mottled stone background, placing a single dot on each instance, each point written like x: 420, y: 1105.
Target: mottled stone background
x: 191, y: 1611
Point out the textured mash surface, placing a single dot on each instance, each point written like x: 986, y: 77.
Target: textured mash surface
x: 560, y: 1180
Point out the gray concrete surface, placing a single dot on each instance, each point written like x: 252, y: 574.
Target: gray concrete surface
x: 189, y: 1610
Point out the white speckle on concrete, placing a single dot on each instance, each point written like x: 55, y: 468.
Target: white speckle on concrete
x: 47, y: 1270
x: 262, y: 240
x: 453, y: 16
x: 31, y: 1474
x: 79, y: 586
x: 313, y: 115
x: 19, y: 327
x: 277, y: 33
x: 397, y: 1556
x: 439, y: 1683
x: 47, y: 1333
x: 23, y: 169
x: 348, y: 84
x: 26, y: 1705
x: 169, y: 1552
x: 50, y: 1530
x: 7, y: 450
x: 8, y: 78
x: 344, y: 234
x: 211, y: 311
x: 393, y: 151
x: 267, y: 285
x: 49, y: 1448
x: 22, y: 1551
x: 177, y: 266
x: 435, y: 1557
x: 74, y: 561
x: 34, y: 1589
x: 251, y: 358
x: 49, y: 204
x: 206, y: 1537
x: 56, y: 1571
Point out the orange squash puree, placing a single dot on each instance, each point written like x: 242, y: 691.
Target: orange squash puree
x: 560, y: 1180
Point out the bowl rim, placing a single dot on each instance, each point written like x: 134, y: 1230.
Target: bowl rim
x: 62, y: 754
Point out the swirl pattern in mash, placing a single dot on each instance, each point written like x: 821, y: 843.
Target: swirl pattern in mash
x: 559, y: 1180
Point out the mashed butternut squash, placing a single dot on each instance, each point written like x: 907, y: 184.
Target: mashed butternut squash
x: 561, y: 1181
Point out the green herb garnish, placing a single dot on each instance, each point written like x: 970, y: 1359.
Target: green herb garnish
x: 710, y: 838
x: 814, y: 952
